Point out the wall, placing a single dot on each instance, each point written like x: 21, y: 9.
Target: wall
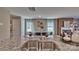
x: 55, y: 26
x: 5, y: 28
x: 22, y: 27
x: 4, y: 25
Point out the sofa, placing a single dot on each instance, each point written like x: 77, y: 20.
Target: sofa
x: 75, y: 37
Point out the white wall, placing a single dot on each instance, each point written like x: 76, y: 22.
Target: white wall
x: 5, y: 24
x: 22, y: 26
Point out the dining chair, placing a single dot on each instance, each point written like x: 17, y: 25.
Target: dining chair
x: 33, y: 45
x: 47, y: 45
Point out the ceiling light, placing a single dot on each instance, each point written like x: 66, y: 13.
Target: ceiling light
x: 32, y: 8
x: 1, y: 24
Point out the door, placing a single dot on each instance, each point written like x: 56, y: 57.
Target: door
x: 60, y: 23
x: 15, y: 31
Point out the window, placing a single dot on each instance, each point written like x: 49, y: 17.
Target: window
x: 28, y: 25
x: 50, y: 26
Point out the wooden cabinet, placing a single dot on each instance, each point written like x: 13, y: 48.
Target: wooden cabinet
x: 60, y: 23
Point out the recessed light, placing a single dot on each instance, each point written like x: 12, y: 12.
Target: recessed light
x: 1, y: 24
x: 39, y: 16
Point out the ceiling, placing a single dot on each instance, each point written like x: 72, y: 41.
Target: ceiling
x: 45, y: 11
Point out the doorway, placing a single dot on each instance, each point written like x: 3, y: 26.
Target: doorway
x: 15, y: 30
